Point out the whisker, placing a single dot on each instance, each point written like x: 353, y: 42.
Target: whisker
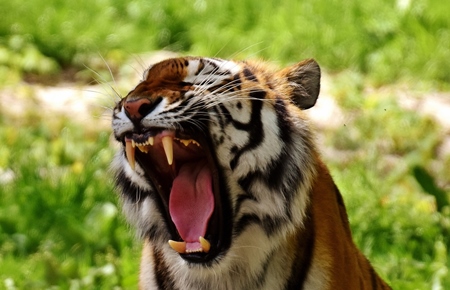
x: 245, y: 49
x: 109, y: 69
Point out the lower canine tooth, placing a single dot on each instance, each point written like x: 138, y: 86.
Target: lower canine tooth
x: 129, y: 150
x: 205, y: 244
x: 179, y: 247
x: 167, y: 142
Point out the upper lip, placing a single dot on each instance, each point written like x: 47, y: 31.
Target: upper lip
x: 161, y: 166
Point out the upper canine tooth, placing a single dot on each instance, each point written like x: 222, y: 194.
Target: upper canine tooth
x: 129, y: 150
x: 150, y: 140
x: 133, y: 144
x: 167, y: 142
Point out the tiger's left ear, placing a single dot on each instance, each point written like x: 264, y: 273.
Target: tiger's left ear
x: 304, y: 78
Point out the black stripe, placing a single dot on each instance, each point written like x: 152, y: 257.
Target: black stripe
x: 284, y: 174
x: 128, y: 189
x: 254, y: 127
x: 223, y: 87
x: 163, y: 278
x: 261, y: 277
x: 214, y: 65
x: 245, y: 221
x: 303, y: 257
x: 215, y: 68
x: 201, y: 66
x: 184, y: 84
x: 219, y: 115
x: 283, y: 120
x: 373, y: 275
x: 342, y: 211
x: 339, y: 198
x: 193, y: 109
x: 225, y: 114
x: 241, y: 198
x: 270, y: 225
x: 248, y: 74
x: 206, y: 83
x: 237, y: 82
x: 153, y: 232
x: 246, y: 181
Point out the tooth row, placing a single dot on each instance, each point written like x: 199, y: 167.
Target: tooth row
x: 186, y: 142
x: 149, y: 142
x: 180, y: 247
x: 167, y: 142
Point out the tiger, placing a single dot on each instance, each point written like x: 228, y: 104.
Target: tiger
x: 218, y: 171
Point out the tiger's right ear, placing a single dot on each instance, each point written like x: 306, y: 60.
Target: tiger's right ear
x: 304, y: 78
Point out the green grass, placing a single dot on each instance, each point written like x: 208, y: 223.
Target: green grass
x: 394, y: 220
x: 60, y: 221
x: 386, y: 40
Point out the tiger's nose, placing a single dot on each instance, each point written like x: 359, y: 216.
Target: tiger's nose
x: 136, y: 109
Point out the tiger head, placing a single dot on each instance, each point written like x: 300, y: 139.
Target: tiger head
x: 216, y: 161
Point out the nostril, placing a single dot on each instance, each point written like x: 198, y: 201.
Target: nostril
x: 139, y: 108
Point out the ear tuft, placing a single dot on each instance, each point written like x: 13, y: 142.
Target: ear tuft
x: 304, y: 78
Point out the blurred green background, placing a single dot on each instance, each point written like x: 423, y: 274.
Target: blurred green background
x: 384, y: 62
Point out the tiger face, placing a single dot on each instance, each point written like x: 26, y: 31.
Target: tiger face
x: 216, y: 169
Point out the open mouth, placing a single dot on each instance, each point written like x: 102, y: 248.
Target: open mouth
x: 184, y: 173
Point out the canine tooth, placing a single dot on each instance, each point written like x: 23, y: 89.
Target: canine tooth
x: 129, y: 150
x: 167, y: 142
x: 133, y: 144
x: 195, y: 142
x: 150, y: 140
x: 179, y: 247
x: 205, y: 244
x: 143, y: 148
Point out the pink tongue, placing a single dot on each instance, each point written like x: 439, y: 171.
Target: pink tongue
x: 191, y: 201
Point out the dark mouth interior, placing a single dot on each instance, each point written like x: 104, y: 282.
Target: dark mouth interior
x: 188, y: 189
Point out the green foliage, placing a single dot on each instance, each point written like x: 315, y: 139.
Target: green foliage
x: 399, y: 216
x: 59, y: 221
x: 387, y: 40
x: 428, y: 184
